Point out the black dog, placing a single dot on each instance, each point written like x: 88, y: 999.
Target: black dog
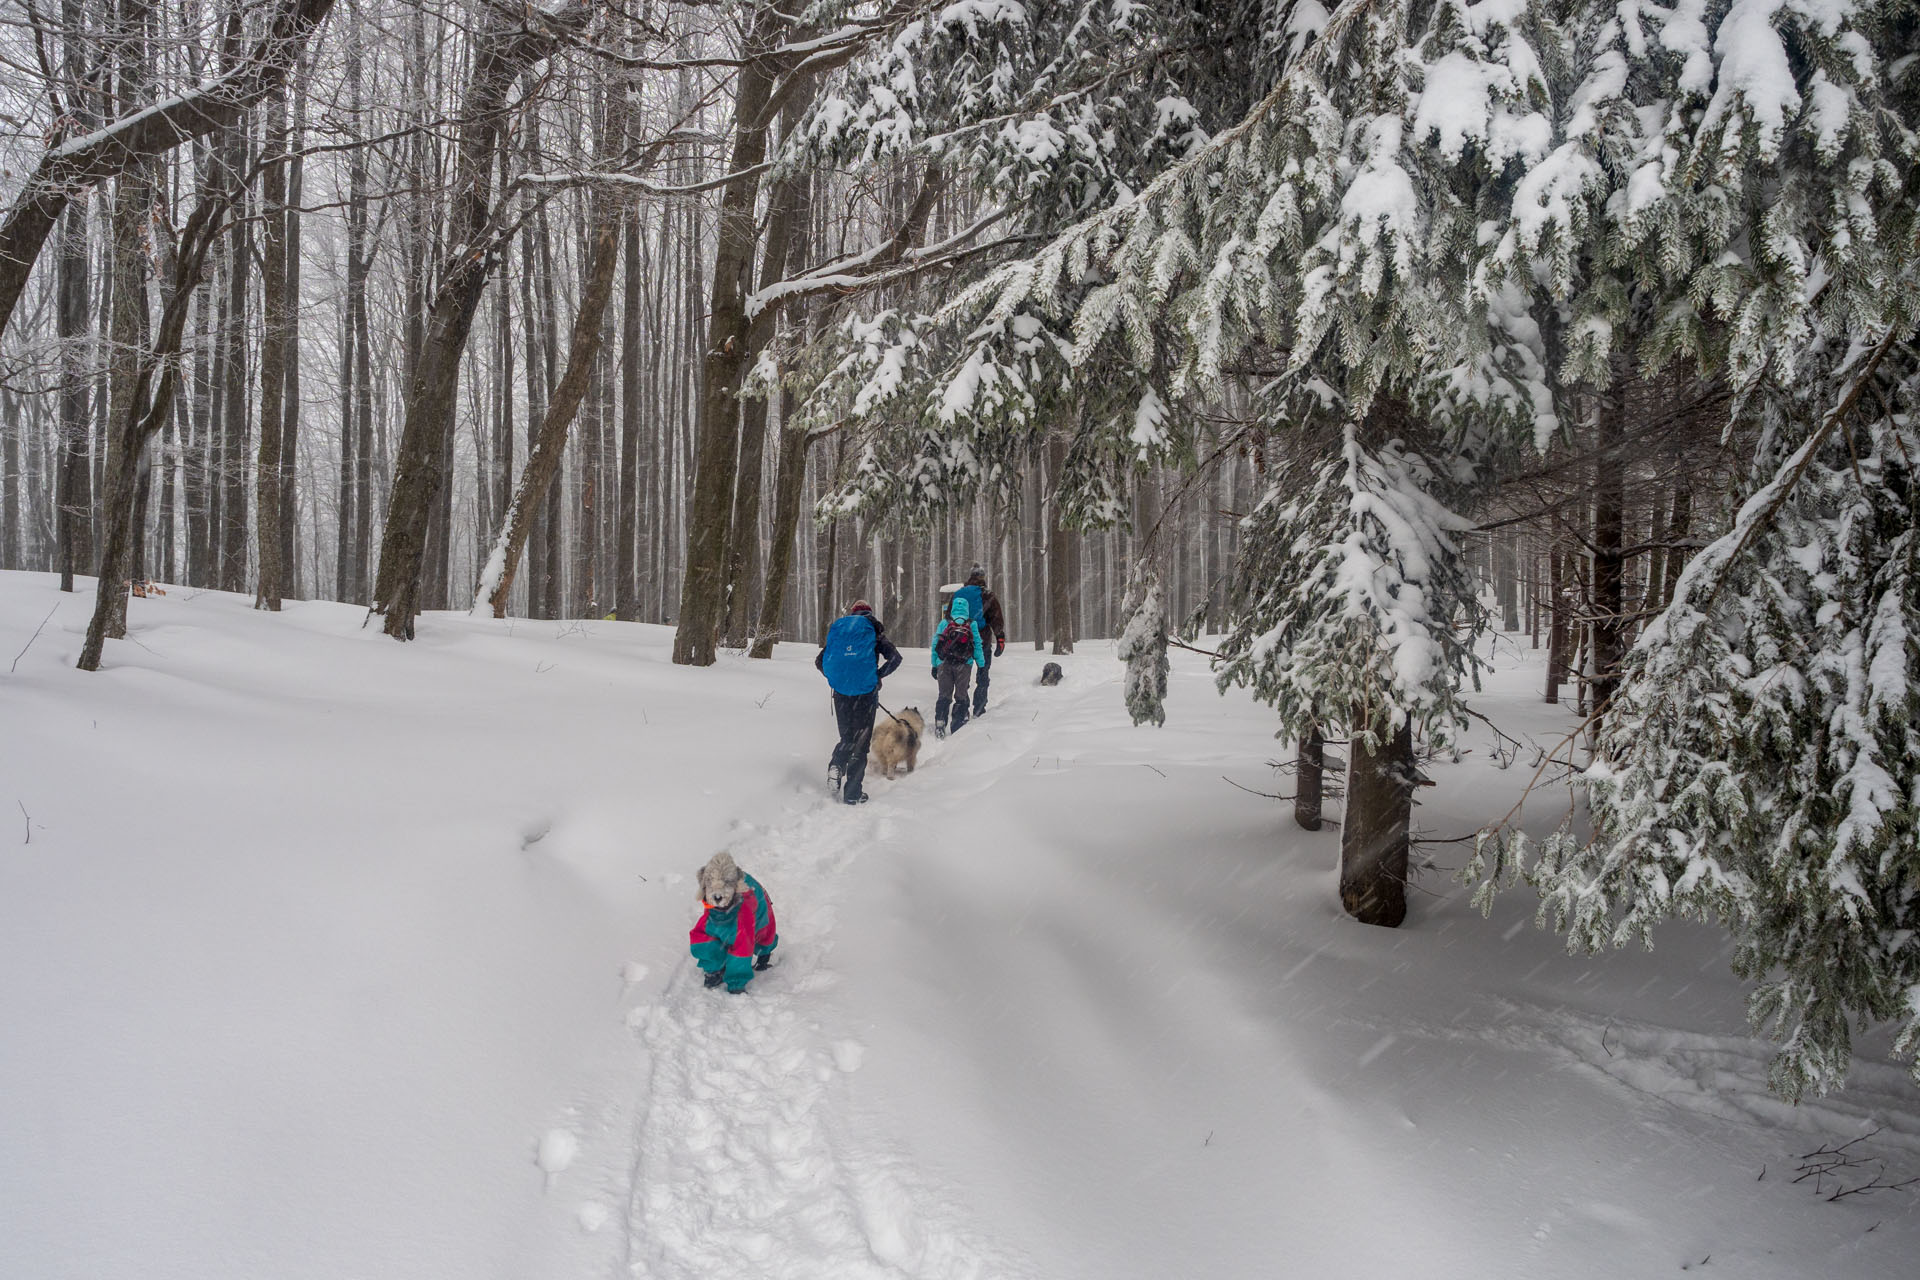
x: 1051, y: 673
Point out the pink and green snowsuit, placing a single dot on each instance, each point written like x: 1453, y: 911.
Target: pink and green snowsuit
x: 720, y: 943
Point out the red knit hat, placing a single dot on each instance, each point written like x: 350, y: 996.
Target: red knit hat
x: 860, y: 606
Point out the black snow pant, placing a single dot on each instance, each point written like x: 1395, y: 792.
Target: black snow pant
x: 854, y: 711
x: 953, y: 678
x: 980, y: 684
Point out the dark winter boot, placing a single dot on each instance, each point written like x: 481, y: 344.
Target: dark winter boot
x: 760, y: 963
x: 736, y: 991
x: 859, y: 799
x: 940, y: 730
x: 714, y: 978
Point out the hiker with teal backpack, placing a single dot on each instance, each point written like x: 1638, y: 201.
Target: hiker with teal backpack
x: 956, y: 652
x: 855, y: 659
x: 991, y: 621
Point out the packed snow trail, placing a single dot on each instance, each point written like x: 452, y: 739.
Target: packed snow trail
x: 747, y: 1161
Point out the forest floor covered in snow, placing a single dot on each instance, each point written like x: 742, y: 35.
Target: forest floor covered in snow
x: 323, y: 956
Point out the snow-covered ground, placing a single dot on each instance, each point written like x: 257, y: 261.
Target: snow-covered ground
x: 323, y: 956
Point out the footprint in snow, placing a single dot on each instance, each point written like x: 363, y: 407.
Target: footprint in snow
x: 849, y: 1054
x: 634, y: 973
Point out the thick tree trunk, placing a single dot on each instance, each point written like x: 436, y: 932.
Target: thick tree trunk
x: 1309, y: 781
x: 1374, y: 840
x: 723, y: 365
x: 501, y: 55
x: 788, y: 210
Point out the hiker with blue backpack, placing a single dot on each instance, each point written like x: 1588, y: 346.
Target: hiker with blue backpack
x: 855, y: 659
x: 956, y: 651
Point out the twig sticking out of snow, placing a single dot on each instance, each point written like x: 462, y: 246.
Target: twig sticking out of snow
x: 35, y: 636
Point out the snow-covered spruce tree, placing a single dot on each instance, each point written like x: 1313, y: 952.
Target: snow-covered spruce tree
x: 1143, y: 647
x: 1353, y: 615
x: 1756, y: 767
x: 1761, y: 766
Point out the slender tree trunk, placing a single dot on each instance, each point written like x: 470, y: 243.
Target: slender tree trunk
x: 75, y: 511
x: 290, y: 411
x: 235, y: 427
x: 543, y: 462
x: 1060, y: 575
x: 11, y: 433
x: 1609, y: 528
x: 632, y: 361
x: 273, y: 362
x: 1556, y: 624
x: 788, y: 486
x: 501, y: 55
x: 1374, y: 841
x: 148, y: 405
x: 1679, y: 528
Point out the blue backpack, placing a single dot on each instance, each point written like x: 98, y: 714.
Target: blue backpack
x: 849, y: 663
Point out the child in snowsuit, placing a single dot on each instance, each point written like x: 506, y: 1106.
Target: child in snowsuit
x: 956, y: 652
x: 736, y: 931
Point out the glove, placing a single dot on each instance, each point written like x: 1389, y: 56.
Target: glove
x: 999, y: 645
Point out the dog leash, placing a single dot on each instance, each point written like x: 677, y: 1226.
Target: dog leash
x: 883, y: 706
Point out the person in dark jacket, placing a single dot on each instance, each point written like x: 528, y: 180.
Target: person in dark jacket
x: 984, y: 607
x: 855, y: 659
x: 956, y: 651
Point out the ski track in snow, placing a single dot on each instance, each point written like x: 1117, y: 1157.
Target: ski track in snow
x: 1720, y: 1076
x: 744, y: 1165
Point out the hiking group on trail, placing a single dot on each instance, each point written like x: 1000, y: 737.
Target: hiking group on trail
x: 857, y: 657
x: 735, y: 936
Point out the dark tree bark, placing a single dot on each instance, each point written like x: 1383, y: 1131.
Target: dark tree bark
x: 290, y: 411
x: 1309, y: 779
x: 501, y: 54
x: 788, y: 485
x: 1609, y: 636
x: 1556, y: 623
x: 274, y: 358
x: 75, y: 511
x: 723, y: 365
x: 626, y: 574
x: 10, y: 480
x: 147, y: 409
x: 1374, y: 828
